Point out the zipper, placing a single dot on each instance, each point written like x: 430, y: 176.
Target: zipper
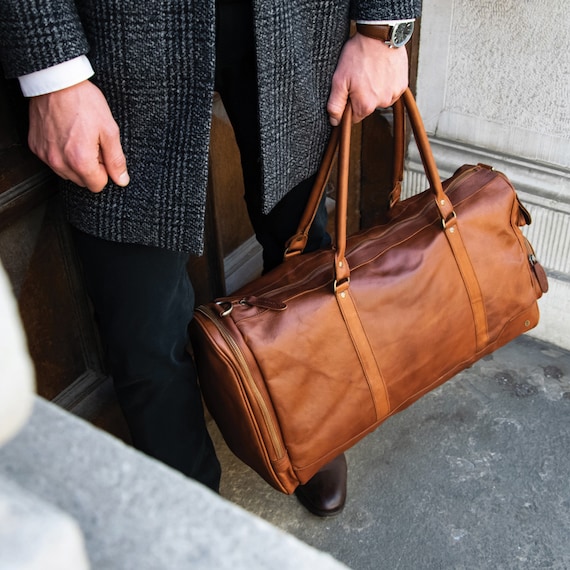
x: 460, y: 178
x: 269, y: 423
x: 465, y: 174
x: 262, y: 294
x: 364, y: 240
x: 308, y: 277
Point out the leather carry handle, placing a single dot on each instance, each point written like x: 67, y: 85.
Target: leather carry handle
x: 340, y: 136
x: 399, y: 152
x: 447, y: 214
x: 297, y: 243
x: 443, y: 203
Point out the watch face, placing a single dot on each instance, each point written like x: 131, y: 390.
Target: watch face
x: 402, y: 33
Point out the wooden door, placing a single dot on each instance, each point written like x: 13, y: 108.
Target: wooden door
x: 36, y: 252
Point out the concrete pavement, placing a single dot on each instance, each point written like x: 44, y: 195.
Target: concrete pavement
x: 473, y: 476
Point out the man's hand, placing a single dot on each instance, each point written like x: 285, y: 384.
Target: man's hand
x: 371, y: 74
x: 74, y: 133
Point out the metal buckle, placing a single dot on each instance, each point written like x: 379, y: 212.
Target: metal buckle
x: 228, y: 310
x: 336, y: 283
x: 445, y: 222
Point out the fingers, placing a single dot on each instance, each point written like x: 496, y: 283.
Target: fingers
x: 364, y: 103
x: 365, y: 99
x: 80, y: 165
x: 113, y: 158
x: 73, y: 163
x: 92, y: 168
x: 371, y: 74
x: 337, y: 100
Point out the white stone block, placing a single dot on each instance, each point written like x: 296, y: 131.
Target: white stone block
x: 136, y: 513
x: 17, y: 378
x: 35, y: 535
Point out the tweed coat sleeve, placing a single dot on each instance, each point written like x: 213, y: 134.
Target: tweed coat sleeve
x: 35, y: 34
x: 294, y: 83
x: 384, y: 9
x: 154, y: 63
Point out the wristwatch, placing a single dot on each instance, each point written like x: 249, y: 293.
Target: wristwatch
x: 396, y: 35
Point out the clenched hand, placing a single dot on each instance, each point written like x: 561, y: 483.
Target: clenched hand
x: 74, y: 133
x: 371, y: 74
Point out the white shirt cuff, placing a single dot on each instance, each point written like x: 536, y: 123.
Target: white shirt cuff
x: 56, y: 77
x: 384, y: 22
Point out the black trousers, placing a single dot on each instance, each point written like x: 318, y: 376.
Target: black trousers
x: 143, y: 298
x: 237, y: 84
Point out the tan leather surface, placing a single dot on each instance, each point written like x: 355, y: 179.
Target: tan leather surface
x: 414, y: 303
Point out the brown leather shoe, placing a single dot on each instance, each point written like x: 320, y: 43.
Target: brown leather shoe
x: 324, y: 494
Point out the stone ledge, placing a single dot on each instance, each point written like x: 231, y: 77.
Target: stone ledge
x: 34, y: 535
x: 137, y: 513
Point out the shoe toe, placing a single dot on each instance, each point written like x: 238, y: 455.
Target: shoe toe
x: 325, y: 493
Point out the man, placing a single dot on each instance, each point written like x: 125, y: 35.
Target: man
x: 130, y: 143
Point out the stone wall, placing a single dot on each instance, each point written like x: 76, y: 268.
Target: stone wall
x: 494, y: 86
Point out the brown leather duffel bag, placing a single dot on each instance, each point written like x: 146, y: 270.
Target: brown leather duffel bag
x: 305, y: 361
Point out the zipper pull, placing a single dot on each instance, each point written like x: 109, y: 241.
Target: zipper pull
x: 263, y: 303
x: 537, y: 268
x: 226, y: 306
x: 539, y: 273
x: 525, y: 218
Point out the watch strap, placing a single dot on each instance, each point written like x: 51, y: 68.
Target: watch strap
x: 381, y: 32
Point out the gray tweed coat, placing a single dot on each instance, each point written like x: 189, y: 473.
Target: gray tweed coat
x: 154, y: 60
